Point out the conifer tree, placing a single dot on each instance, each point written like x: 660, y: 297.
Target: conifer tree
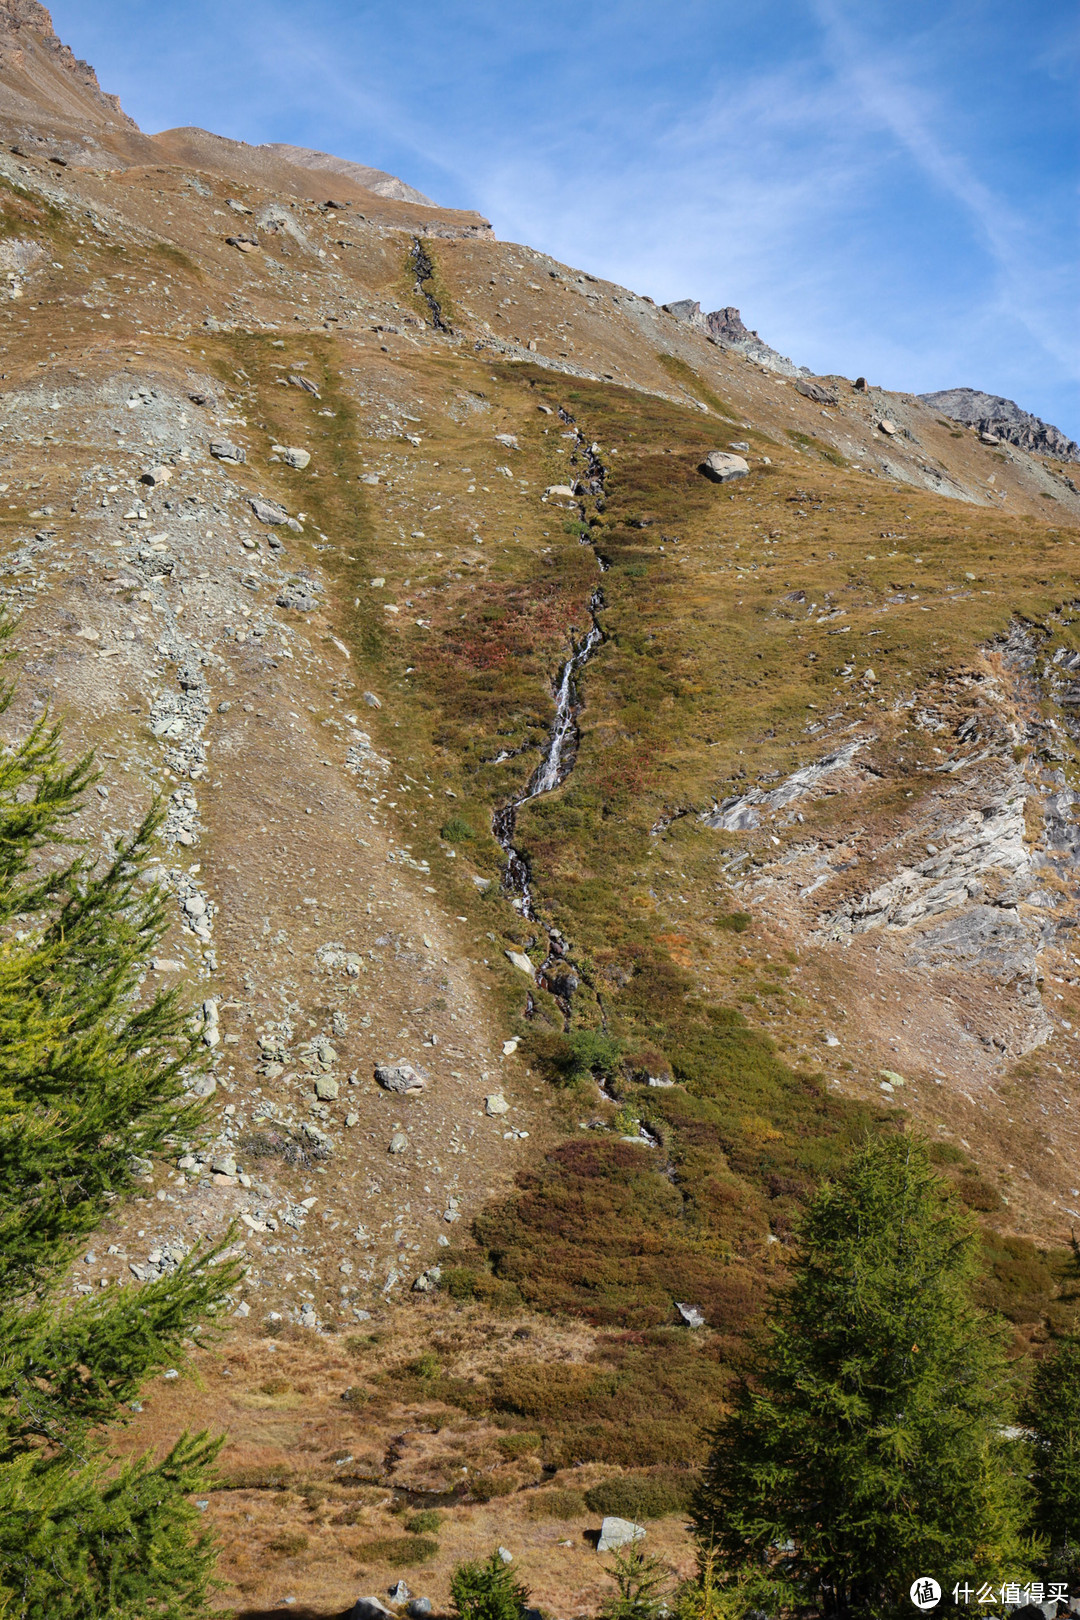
x: 1052, y: 1411
x: 865, y: 1443
x: 91, y: 1083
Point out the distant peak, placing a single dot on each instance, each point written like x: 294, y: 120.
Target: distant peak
x: 1005, y: 419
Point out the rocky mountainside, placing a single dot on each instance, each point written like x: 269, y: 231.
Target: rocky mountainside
x: 376, y: 180
x: 1003, y: 419
x: 725, y: 327
x: 572, y: 854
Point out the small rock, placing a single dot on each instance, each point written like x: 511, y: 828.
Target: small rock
x: 521, y: 962
x: 351, y: 1120
x: 428, y: 1280
x: 303, y: 382
x: 892, y: 1077
x: 223, y: 450
x: 496, y: 1104
x: 830, y: 1039
x: 690, y: 1315
x: 511, y: 1046
x: 326, y: 1088
x: 398, y: 1076
x: 398, y: 1142
x: 565, y: 491
x: 508, y: 439
x: 420, y: 1608
x: 505, y: 1555
x: 156, y: 476
x: 372, y: 701
x: 399, y: 1592
x: 886, y: 426
x: 223, y: 1164
x: 722, y: 467
x: 739, y: 444
x: 618, y: 1533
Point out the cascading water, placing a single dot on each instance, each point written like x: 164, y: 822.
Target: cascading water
x: 557, y: 972
x: 556, y: 764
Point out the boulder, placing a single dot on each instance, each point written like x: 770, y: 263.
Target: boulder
x: 722, y: 467
x: 222, y: 450
x: 496, y: 1104
x: 295, y: 597
x: 887, y: 427
x: 399, y: 1077
x: 292, y: 456
x: 268, y: 511
x: 326, y: 1088
x: 370, y: 1608
x: 618, y: 1533
x: 814, y: 391
x: 690, y: 1315
x: 560, y: 492
x: 521, y: 962
x: 419, y: 1608
x: 398, y: 1142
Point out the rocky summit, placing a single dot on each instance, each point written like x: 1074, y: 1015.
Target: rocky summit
x: 609, y: 771
x: 1003, y: 419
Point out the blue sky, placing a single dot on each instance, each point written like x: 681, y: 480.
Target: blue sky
x: 881, y: 190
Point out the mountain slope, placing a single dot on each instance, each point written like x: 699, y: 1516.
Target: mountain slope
x: 675, y: 833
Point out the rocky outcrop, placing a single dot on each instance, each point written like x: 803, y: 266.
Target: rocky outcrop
x: 725, y: 327
x: 25, y: 21
x: 1003, y: 419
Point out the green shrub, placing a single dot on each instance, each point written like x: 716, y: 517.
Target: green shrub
x: 640, y: 1496
x: 424, y: 1523
x: 400, y: 1552
x: 736, y: 922
x: 487, y: 1591
x: 556, y: 1504
x: 457, y: 831
x: 567, y: 1059
x: 519, y: 1445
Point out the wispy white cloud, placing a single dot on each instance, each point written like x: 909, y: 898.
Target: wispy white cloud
x: 913, y: 116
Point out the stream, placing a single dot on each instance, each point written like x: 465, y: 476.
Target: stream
x: 557, y: 972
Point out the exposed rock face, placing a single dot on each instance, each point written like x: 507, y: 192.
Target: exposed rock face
x: 1004, y: 419
x: 726, y: 326
x: 18, y: 18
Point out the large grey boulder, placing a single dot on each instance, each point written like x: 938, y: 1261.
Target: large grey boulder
x: 618, y: 1533
x: 722, y: 467
x: 370, y: 1608
x: 400, y: 1077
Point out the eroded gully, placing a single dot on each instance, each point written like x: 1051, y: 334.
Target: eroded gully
x: 557, y: 973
